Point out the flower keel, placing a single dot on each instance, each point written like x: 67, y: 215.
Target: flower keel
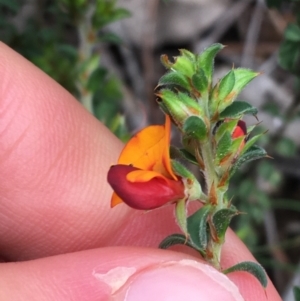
x: 150, y: 194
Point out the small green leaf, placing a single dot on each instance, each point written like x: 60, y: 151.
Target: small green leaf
x: 89, y: 65
x: 251, y: 142
x: 191, y: 184
x: 189, y: 55
x: 174, y: 78
x: 223, y: 146
x: 296, y: 291
x: 181, y: 218
x: 205, y: 60
x: 200, y: 81
x: 292, y: 33
x: 184, y: 65
x: 96, y: 78
x: 251, y: 267
x: 227, y: 126
x: 170, y: 104
x: 242, y: 78
x: 221, y: 220
x: 225, y: 86
x: 188, y: 156
x: 289, y: 55
x: 179, y: 105
x: 255, y: 152
x: 237, y: 109
x: 181, y: 170
x: 236, y: 142
x: 110, y: 37
x: 197, y: 227
x: 189, y: 144
x: 175, y: 239
x: 195, y: 127
x: 189, y: 104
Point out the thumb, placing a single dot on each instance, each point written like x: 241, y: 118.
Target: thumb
x: 117, y: 274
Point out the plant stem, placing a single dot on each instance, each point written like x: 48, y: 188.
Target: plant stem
x: 87, y: 37
x: 216, y: 198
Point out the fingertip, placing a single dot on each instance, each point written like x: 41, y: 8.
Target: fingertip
x: 180, y: 280
x: 131, y: 274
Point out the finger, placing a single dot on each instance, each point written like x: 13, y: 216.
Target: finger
x: 54, y: 159
x: 112, y: 274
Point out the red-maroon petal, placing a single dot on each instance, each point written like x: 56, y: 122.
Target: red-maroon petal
x: 240, y: 129
x: 146, y: 195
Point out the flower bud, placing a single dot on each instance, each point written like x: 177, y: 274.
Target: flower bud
x: 178, y: 105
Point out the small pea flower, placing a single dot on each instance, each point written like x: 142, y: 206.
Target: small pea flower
x: 143, y: 177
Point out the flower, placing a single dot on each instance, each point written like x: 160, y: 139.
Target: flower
x: 143, y: 177
x: 240, y: 129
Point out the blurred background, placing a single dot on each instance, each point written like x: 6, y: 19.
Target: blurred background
x: 107, y: 54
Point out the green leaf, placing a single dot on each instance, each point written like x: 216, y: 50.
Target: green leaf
x: 250, y: 142
x: 236, y: 143
x: 174, y: 78
x: 192, y: 186
x: 171, y: 105
x: 225, y: 86
x: 205, y: 60
x: 189, y: 104
x: 200, y: 81
x: 120, y: 13
x: 227, y: 126
x: 96, y: 78
x: 184, y: 65
x: 223, y: 146
x: 292, y: 33
x: 221, y: 220
x: 181, y: 170
x: 179, y: 105
x: 107, y: 13
x: 296, y: 291
x: 175, y: 239
x: 255, y: 152
x: 195, y: 127
x: 289, y: 55
x: 110, y: 37
x: 189, y: 55
x: 242, y: 78
x: 188, y: 156
x: 251, y: 267
x: 197, y: 228
x: 237, y: 109
x: 181, y: 218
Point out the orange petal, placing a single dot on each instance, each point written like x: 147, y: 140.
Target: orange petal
x: 143, y: 176
x: 115, y: 200
x: 145, y: 148
x: 149, y: 150
x: 166, y: 155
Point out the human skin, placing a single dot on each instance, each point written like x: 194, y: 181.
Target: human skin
x: 59, y: 238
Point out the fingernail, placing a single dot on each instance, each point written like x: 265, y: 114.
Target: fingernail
x: 180, y: 280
